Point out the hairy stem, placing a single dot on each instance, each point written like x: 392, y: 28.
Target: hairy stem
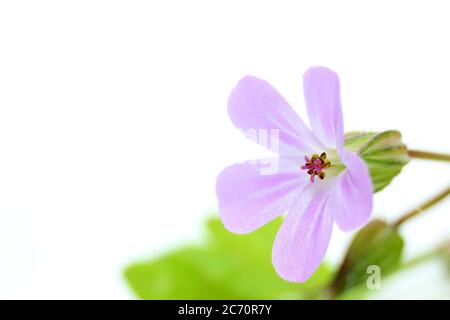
x: 424, y: 206
x: 429, y: 155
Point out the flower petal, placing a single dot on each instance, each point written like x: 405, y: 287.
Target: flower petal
x: 253, y: 193
x: 323, y: 102
x: 352, y: 197
x: 303, y: 238
x: 260, y: 111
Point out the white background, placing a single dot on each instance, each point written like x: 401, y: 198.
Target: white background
x: 113, y: 123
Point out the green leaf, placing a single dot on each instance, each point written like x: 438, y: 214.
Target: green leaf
x: 227, y: 266
x: 377, y: 244
x: 384, y: 153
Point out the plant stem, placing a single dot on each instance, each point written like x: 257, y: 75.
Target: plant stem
x: 422, y: 258
x: 429, y: 155
x: 427, y: 204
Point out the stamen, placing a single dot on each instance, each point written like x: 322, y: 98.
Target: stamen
x: 316, y: 165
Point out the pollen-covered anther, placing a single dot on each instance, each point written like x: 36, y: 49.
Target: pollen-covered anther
x: 316, y: 165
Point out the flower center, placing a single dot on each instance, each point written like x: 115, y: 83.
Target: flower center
x: 316, y: 165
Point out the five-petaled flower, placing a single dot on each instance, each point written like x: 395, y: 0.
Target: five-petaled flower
x: 343, y: 193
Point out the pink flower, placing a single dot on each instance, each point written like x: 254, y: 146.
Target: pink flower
x: 316, y: 180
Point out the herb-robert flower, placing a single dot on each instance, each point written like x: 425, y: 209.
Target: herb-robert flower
x: 317, y: 181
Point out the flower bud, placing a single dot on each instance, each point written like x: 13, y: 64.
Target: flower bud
x: 377, y: 246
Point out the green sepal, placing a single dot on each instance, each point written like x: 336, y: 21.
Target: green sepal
x: 384, y: 153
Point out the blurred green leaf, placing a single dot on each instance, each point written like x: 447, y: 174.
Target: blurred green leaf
x: 377, y: 244
x: 227, y: 266
x: 384, y: 153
